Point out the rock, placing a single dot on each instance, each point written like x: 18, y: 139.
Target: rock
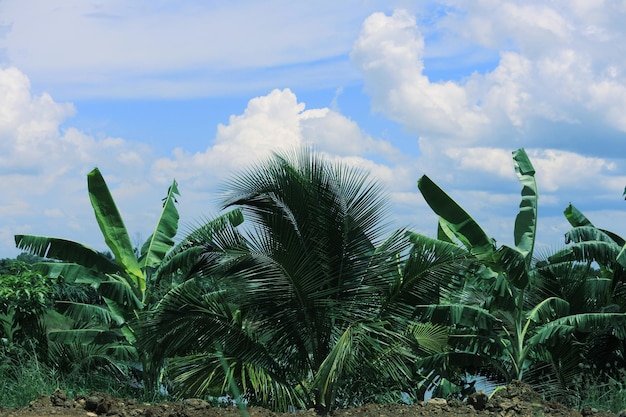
x: 59, y: 398
x: 478, y: 400
x: 196, y: 403
x: 438, y: 401
x: 91, y: 402
x: 104, y: 406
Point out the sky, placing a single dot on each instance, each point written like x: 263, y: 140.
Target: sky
x: 150, y: 91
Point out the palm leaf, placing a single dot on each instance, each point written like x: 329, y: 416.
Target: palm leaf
x: 431, y: 338
x: 187, y: 253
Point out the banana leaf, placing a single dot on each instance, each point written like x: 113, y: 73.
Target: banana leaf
x: 526, y: 220
x: 575, y: 217
x: 122, y: 294
x: 547, y: 310
x: 161, y: 240
x: 454, y: 219
x: 89, y: 313
x: 513, y: 262
x: 65, y: 250
x: 584, y: 322
x: 457, y: 315
x: 112, y: 227
x: 70, y: 272
x: 604, y: 253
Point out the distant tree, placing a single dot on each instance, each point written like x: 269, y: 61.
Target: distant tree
x: 29, y: 258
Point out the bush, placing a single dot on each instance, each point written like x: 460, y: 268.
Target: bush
x: 24, y: 299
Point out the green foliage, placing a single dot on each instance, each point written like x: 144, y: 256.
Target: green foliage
x: 308, y: 303
x: 503, y: 314
x: 24, y: 289
x: 120, y: 282
x: 24, y: 297
x: 22, y: 376
x: 25, y: 377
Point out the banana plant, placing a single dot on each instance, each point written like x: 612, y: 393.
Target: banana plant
x: 122, y: 281
x: 508, y: 319
x: 599, y: 253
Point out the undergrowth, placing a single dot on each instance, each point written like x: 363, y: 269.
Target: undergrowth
x: 23, y: 378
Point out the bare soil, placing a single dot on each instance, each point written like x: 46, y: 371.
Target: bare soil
x: 515, y: 400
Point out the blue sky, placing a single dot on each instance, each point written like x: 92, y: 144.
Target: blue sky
x: 149, y: 91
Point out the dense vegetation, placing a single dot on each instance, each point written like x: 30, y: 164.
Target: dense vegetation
x: 300, y: 296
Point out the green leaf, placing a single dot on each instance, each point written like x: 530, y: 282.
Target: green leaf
x: 185, y: 254
x: 112, y: 227
x: 584, y: 322
x: 513, y: 262
x: 455, y: 219
x: 431, y: 338
x: 161, y: 240
x: 65, y: 250
x: 526, y: 220
x: 457, y: 315
x: 123, y: 294
x: 70, y: 272
x: 84, y: 336
x: 549, y: 309
x: 84, y: 314
x: 575, y: 217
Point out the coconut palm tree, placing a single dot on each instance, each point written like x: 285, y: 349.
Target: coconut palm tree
x: 307, y: 304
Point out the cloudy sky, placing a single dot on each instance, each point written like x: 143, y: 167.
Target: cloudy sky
x: 149, y: 91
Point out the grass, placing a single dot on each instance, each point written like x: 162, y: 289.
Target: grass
x: 609, y: 395
x: 23, y: 378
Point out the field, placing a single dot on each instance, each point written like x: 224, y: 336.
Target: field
x: 516, y: 399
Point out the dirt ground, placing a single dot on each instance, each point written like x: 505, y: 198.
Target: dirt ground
x: 515, y: 400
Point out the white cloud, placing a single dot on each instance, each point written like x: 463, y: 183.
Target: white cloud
x: 43, y: 169
x: 557, y: 87
x: 271, y: 123
x: 186, y: 48
x: 551, y: 76
x: 389, y: 52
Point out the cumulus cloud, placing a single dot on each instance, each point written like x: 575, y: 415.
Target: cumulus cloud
x: 270, y: 123
x: 557, y: 89
x: 389, y: 52
x: 543, y: 85
x: 43, y: 168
